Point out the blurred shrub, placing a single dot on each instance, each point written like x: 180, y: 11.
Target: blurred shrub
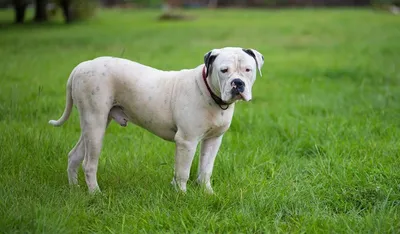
x: 75, y: 10
x: 83, y: 9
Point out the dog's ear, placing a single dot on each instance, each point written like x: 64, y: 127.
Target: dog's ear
x: 209, y: 58
x: 257, y: 56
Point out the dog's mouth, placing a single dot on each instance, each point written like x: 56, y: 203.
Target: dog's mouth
x: 238, y: 93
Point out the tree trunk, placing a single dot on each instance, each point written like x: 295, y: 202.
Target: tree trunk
x: 19, y: 8
x: 66, y: 8
x: 40, y: 10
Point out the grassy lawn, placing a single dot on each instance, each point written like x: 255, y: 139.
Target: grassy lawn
x: 316, y: 151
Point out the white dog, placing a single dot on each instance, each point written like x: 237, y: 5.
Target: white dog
x: 186, y: 106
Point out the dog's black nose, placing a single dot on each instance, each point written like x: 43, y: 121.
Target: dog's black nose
x: 238, y: 84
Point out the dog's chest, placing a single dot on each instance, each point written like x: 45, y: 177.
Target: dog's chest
x: 218, y: 123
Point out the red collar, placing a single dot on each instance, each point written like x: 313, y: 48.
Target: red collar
x: 217, y: 99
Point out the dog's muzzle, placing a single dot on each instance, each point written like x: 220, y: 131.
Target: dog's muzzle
x: 238, y: 87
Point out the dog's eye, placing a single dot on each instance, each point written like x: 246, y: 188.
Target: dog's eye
x: 225, y: 70
x: 248, y: 69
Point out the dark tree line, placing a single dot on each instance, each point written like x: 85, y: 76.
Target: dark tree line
x: 20, y: 9
x: 71, y: 9
x: 78, y: 9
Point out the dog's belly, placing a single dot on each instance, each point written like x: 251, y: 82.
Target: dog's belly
x: 159, y: 126
x: 153, y: 114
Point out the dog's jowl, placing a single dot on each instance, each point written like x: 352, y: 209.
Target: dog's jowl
x: 186, y: 107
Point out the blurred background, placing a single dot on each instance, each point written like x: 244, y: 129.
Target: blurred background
x: 73, y: 10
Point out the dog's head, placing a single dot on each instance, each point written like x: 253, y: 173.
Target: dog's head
x: 232, y: 72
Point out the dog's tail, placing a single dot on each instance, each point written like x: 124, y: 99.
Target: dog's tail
x: 68, y: 103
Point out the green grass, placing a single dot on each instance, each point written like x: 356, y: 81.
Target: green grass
x: 316, y: 151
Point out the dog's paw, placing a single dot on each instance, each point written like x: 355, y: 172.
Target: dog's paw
x: 206, y: 187
x: 95, y: 191
x: 178, y: 187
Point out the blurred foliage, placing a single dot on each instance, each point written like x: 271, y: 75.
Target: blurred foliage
x: 82, y: 9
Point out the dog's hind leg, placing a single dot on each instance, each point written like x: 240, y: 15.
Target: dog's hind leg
x: 75, y: 157
x: 93, y: 128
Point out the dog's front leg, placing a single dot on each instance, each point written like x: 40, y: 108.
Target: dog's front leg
x: 208, y: 152
x: 184, y: 153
